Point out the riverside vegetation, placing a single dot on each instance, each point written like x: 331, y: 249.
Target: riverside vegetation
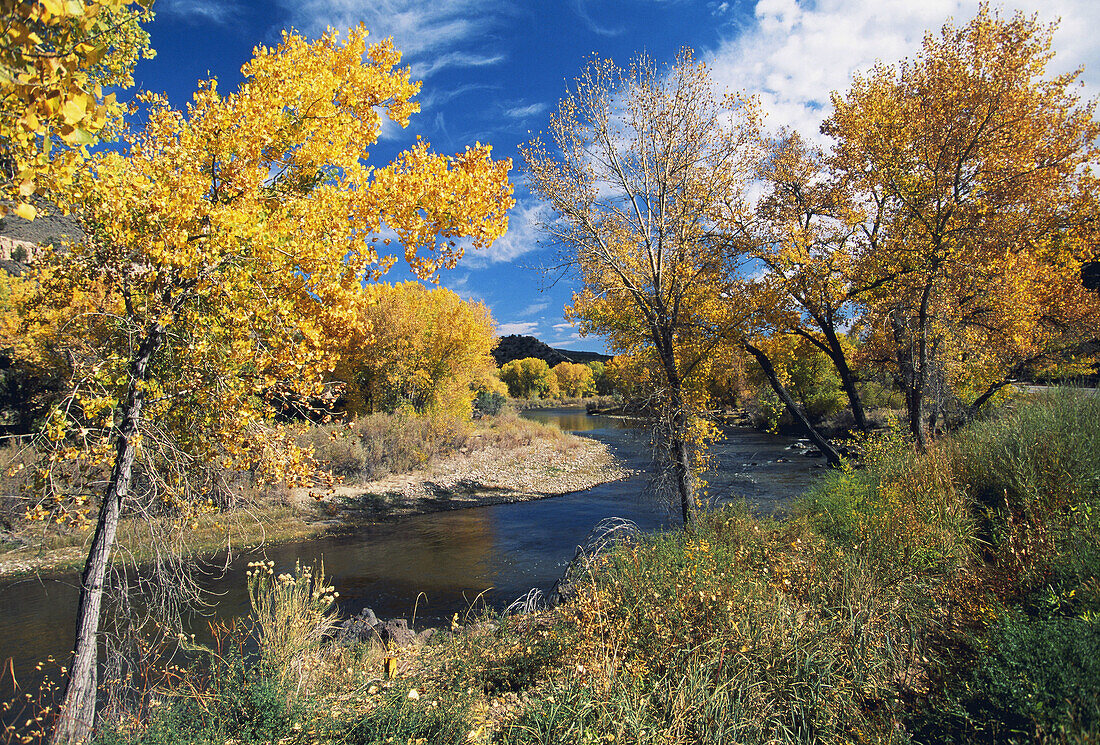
x: 244, y: 513
x: 945, y: 596
x: 225, y: 280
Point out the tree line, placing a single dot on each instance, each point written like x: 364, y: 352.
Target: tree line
x: 937, y: 240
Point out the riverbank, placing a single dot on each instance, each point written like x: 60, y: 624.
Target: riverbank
x: 948, y: 596
x: 499, y: 460
x: 547, y: 467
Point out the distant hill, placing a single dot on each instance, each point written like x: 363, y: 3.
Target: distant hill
x: 516, y: 347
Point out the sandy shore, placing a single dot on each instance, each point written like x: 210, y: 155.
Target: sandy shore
x: 546, y: 467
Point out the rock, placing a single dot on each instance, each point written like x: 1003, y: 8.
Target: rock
x: 425, y: 636
x: 359, y: 629
x: 396, y: 633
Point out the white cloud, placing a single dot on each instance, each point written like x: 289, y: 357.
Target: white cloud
x: 522, y: 112
x: 432, y: 34
x: 455, y: 59
x: 523, y: 329
x: 575, y: 340
x: 591, y: 23
x: 522, y: 236
x: 460, y: 285
x: 201, y: 11
x: 437, y: 96
x: 534, y: 308
x: 796, y: 53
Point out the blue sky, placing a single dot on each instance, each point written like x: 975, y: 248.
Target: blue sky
x: 494, y: 71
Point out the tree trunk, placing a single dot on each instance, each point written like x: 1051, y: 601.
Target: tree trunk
x: 685, y: 480
x: 679, y: 447
x: 826, y: 448
x: 910, y: 380
x: 77, y: 714
x: 847, y: 379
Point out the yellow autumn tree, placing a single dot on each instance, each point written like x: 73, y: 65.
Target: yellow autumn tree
x: 58, y: 59
x: 807, y: 240
x: 217, y: 236
x: 574, y: 379
x: 529, y: 377
x: 643, y: 160
x: 426, y: 349
x: 971, y: 166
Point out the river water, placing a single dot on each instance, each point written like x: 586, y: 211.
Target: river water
x: 445, y: 562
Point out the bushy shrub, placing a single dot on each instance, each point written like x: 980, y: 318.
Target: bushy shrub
x: 380, y: 444
x: 489, y: 403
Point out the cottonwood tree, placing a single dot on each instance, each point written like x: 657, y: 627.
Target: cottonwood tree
x: 528, y: 377
x: 427, y: 349
x: 806, y: 237
x: 639, y: 163
x: 214, y: 239
x: 57, y: 60
x: 970, y: 162
x: 574, y: 379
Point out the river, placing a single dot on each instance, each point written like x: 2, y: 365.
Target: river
x: 441, y: 563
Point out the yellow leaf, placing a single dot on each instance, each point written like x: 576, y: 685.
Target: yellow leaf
x: 74, y: 109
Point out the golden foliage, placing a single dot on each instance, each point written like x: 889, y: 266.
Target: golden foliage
x: 574, y: 379
x: 427, y: 349
x: 529, y: 377
x: 56, y: 57
x: 644, y: 162
x: 214, y: 241
x: 970, y: 165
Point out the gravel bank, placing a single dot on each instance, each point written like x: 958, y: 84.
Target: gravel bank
x: 547, y: 467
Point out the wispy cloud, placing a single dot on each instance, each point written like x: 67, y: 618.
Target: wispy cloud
x: 534, y: 308
x: 432, y: 34
x: 201, y: 11
x: 523, y: 112
x: 522, y: 236
x: 455, y: 59
x: 796, y: 53
x: 438, y: 97
x: 576, y: 340
x: 523, y: 328
x: 590, y: 23
x: 460, y: 284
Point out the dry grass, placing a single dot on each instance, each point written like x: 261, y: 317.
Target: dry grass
x: 379, y: 445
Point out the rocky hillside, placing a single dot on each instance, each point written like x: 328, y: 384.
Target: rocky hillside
x: 516, y: 347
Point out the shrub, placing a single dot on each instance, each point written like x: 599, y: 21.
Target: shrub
x: 489, y: 403
x: 1033, y: 679
x: 1034, y: 474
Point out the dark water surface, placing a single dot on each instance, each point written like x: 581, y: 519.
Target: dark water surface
x: 441, y: 563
